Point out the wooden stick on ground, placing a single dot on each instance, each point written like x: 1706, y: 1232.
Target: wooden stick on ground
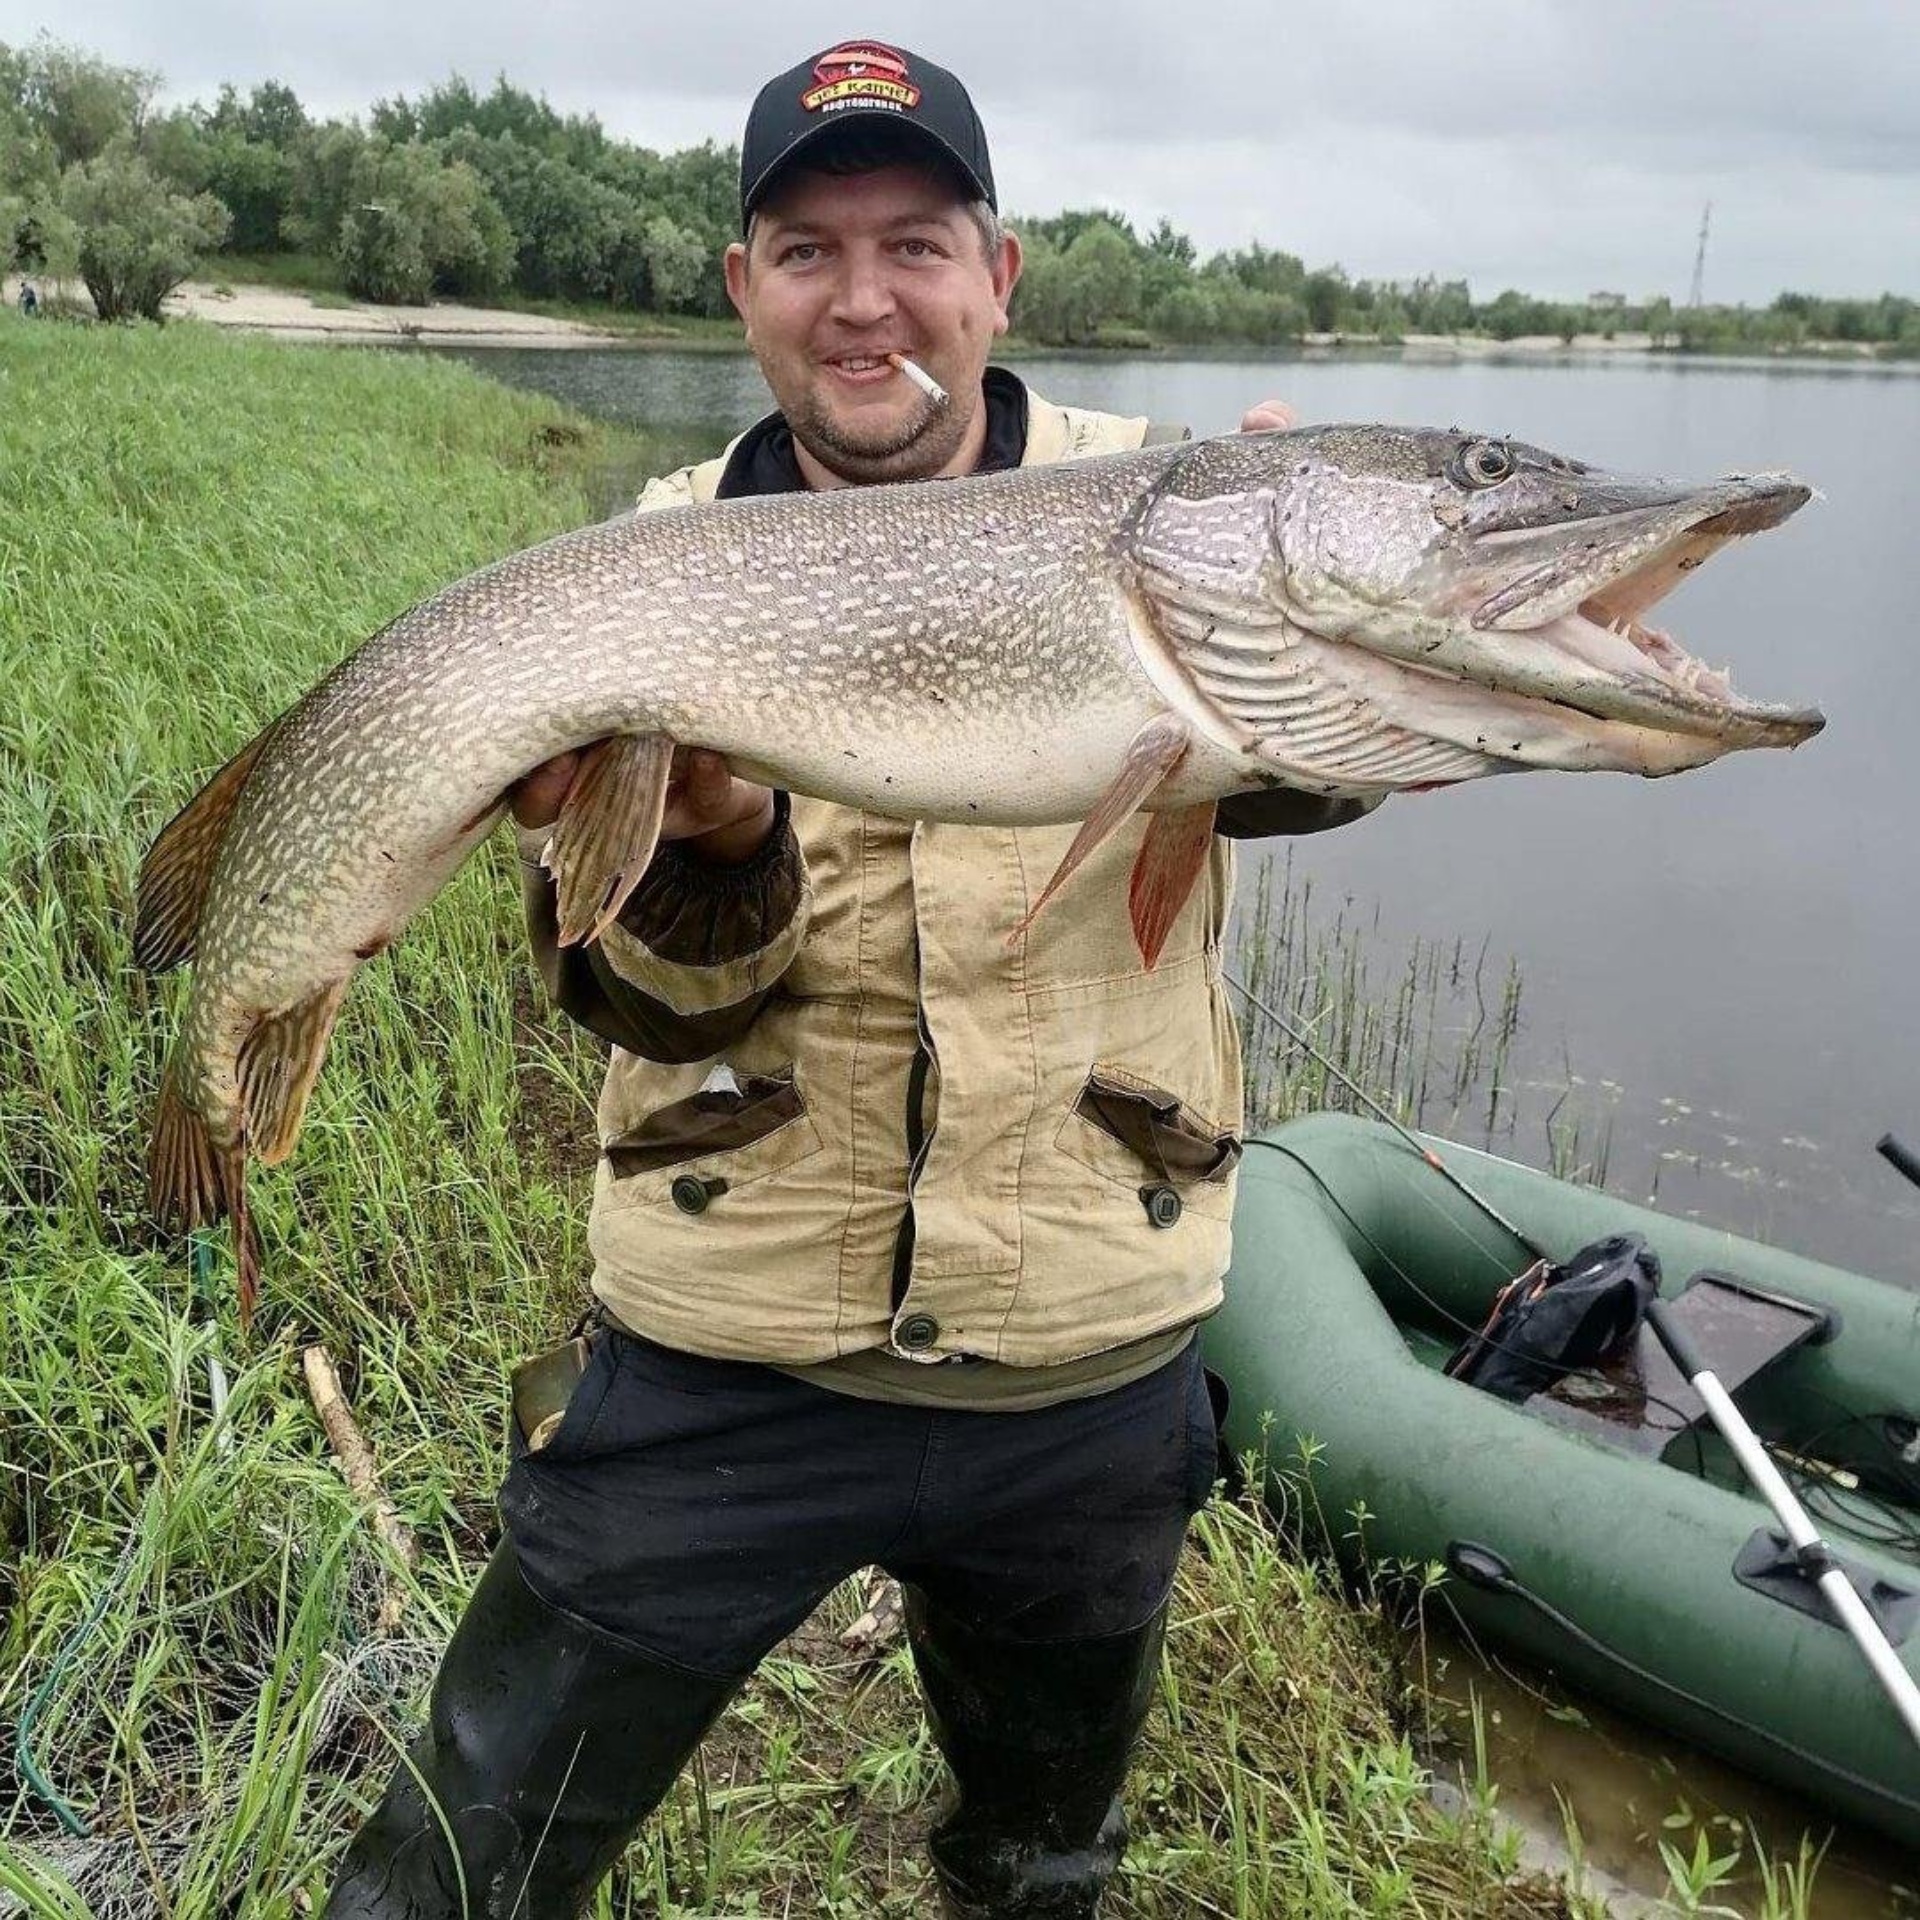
x: 356, y: 1460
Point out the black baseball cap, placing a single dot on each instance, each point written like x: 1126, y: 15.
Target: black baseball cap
x: 853, y: 82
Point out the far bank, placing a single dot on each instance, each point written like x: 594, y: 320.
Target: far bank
x: 331, y: 318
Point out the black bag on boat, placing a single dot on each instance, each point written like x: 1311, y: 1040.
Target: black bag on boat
x: 1553, y: 1319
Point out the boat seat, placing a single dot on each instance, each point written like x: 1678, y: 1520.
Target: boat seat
x: 1640, y: 1404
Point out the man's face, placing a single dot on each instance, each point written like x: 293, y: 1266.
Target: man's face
x: 844, y: 270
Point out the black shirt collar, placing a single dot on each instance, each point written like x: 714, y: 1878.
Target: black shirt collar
x: 763, y: 459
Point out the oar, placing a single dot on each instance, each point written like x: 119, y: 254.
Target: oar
x: 1813, y: 1554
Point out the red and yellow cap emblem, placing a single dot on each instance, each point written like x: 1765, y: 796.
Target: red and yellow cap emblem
x: 861, y: 70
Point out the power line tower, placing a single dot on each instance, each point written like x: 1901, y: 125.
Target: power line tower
x: 1694, y: 299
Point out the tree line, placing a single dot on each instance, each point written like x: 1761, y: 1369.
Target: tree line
x: 496, y: 195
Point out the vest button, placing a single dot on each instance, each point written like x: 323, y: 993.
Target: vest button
x: 917, y: 1332
x: 691, y: 1193
x: 1162, y: 1205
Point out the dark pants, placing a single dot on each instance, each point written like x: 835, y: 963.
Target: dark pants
x: 690, y: 1513
x: 702, y: 1508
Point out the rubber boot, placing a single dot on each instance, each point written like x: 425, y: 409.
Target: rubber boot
x: 547, y: 1743
x: 1038, y: 1736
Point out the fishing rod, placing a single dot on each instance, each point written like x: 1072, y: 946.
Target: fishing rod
x: 1373, y: 1106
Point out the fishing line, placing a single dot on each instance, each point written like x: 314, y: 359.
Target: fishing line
x: 1688, y: 1421
x: 23, y: 1755
x: 1373, y: 1106
x: 200, y: 1262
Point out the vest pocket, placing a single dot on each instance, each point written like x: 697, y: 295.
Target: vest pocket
x: 722, y: 1138
x: 1140, y: 1135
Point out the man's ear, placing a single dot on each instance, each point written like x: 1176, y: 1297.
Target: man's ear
x: 1006, y: 276
x: 734, y: 265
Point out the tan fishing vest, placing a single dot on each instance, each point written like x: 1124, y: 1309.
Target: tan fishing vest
x: 1075, y: 1187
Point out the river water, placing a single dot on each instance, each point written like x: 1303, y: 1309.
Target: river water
x: 1716, y: 970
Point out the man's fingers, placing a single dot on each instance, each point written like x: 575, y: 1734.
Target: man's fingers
x: 536, y: 798
x: 1269, y: 416
x: 704, y: 795
x: 709, y: 781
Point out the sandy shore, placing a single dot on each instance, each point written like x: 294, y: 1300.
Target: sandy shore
x: 284, y: 311
x: 293, y: 315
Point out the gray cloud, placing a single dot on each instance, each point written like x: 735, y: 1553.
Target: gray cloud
x: 1539, y: 143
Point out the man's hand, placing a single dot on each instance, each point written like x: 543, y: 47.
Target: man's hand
x: 1269, y: 416
x: 723, y: 819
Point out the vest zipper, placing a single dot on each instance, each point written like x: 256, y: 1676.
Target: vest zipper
x: 919, y: 1139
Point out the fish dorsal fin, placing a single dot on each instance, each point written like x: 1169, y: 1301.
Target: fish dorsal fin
x: 172, y: 891
x: 1152, y: 754
x: 279, y: 1062
x: 604, y: 839
x: 1164, y: 872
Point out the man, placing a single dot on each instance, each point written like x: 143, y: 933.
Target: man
x: 901, y: 1231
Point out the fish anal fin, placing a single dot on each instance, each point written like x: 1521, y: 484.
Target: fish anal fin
x: 193, y: 1181
x: 278, y: 1065
x: 174, y: 877
x: 1164, y: 872
x: 1151, y: 755
x: 604, y: 839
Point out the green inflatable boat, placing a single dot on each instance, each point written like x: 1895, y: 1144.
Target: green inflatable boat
x: 1599, y: 1527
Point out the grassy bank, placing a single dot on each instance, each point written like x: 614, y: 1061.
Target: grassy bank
x: 195, y: 526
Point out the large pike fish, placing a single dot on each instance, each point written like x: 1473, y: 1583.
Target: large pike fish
x: 1348, y: 610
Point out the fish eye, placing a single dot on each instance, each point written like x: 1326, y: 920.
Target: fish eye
x: 1484, y: 463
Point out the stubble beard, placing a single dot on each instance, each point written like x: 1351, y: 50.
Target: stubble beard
x: 913, y: 451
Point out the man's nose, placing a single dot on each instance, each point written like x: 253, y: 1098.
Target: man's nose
x: 863, y: 291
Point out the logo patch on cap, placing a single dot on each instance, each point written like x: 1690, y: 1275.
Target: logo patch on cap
x: 860, y: 72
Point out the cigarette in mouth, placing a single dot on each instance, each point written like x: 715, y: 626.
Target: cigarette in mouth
x: 920, y: 377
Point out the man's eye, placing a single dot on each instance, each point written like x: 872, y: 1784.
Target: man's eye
x: 801, y: 252
x: 918, y: 249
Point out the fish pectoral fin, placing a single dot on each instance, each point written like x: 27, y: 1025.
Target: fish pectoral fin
x: 172, y: 890
x: 1151, y: 755
x: 1164, y: 872
x: 604, y: 839
x: 192, y: 1183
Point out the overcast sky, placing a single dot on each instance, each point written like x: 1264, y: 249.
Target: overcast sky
x: 1555, y: 145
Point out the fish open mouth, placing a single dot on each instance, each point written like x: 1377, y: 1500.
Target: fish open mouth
x: 1640, y: 555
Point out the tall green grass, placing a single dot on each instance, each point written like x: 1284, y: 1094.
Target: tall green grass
x: 191, y: 528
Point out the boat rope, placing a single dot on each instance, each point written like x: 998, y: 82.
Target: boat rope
x: 1492, y: 1573
x: 1426, y: 1153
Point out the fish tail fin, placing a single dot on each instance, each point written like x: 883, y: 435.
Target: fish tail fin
x: 1164, y: 872
x: 194, y: 1182
x: 246, y: 1253
x: 174, y: 877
